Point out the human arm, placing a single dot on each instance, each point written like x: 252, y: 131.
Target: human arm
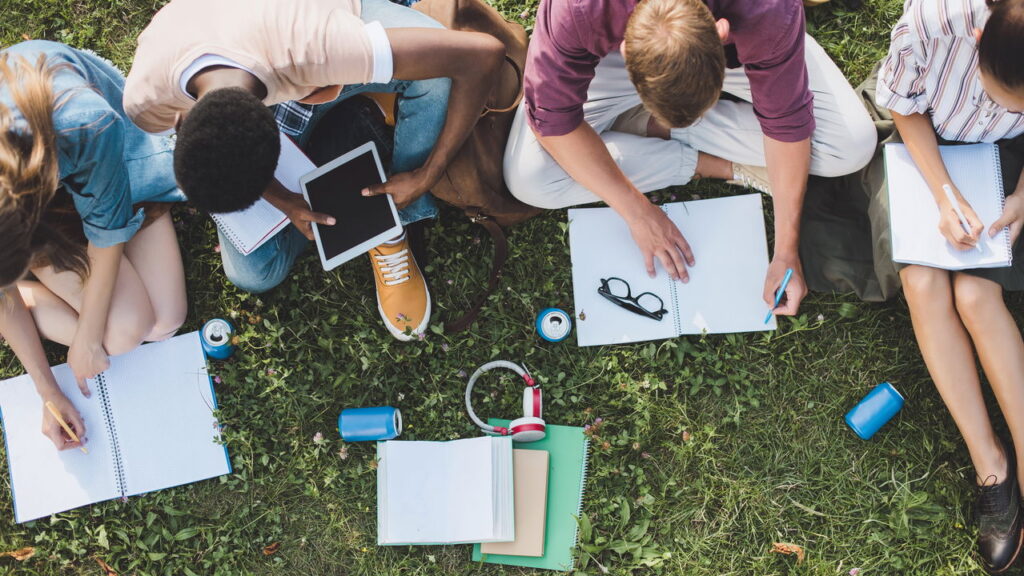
x: 583, y: 155
x: 86, y: 355
x: 19, y: 330
x: 472, y: 61
x: 919, y: 137
x: 295, y: 208
x: 788, y: 164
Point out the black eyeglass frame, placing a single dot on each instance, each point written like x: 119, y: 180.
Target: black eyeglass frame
x: 629, y: 302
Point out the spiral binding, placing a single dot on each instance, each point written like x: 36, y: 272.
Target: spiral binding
x: 115, y: 444
x: 674, y: 297
x: 583, y: 489
x: 227, y: 231
x: 1002, y: 197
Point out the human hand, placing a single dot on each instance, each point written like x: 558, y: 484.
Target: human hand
x: 951, y: 228
x: 403, y: 188
x: 52, y: 428
x: 1013, y: 216
x: 658, y: 237
x: 296, y: 209
x: 796, y: 289
x: 86, y: 358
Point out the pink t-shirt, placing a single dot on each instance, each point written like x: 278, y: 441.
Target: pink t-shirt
x: 571, y: 37
x: 294, y: 47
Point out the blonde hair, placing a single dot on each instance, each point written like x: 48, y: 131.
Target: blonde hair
x: 675, y: 59
x: 29, y: 173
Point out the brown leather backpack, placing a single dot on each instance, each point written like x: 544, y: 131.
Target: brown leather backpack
x: 475, y: 181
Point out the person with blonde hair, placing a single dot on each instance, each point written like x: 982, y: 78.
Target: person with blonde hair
x: 623, y: 97
x: 82, y: 263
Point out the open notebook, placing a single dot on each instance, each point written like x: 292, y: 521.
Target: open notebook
x: 150, y: 426
x: 914, y: 215
x: 248, y: 229
x: 724, y: 293
x: 453, y: 492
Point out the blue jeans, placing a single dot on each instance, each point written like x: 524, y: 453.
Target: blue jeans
x: 422, y: 112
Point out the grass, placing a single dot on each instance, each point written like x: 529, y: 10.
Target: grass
x: 709, y: 451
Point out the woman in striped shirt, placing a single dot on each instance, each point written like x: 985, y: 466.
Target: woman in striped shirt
x: 954, y: 73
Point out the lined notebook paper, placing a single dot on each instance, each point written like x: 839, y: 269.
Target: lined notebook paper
x: 914, y: 215
x: 248, y: 229
x: 150, y: 426
x: 724, y: 293
x: 445, y: 492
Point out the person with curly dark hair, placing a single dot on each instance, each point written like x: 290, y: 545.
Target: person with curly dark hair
x: 196, y: 72
x: 226, y: 151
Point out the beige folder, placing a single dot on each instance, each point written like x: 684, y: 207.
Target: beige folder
x: 530, y: 473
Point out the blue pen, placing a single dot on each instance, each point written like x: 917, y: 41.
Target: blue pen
x: 779, y: 293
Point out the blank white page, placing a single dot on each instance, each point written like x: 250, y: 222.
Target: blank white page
x: 163, y: 401
x: 914, y: 215
x: 602, y: 247
x: 413, y: 496
x: 44, y: 480
x: 724, y: 294
x: 471, y: 491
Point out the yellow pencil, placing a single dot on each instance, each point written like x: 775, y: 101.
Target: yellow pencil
x: 63, y: 424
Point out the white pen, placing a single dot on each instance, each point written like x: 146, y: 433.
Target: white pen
x: 959, y: 213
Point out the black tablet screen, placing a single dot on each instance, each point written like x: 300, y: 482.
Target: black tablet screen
x: 337, y: 193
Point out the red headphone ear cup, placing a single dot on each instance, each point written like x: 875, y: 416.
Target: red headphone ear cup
x: 532, y: 402
x: 528, y: 429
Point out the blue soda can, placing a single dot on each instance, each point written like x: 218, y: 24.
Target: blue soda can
x: 553, y: 324
x: 877, y: 408
x: 377, y: 423
x: 216, y: 336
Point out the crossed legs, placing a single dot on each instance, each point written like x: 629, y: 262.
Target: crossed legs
x: 148, y: 304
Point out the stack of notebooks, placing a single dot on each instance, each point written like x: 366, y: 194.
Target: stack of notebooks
x: 517, y: 505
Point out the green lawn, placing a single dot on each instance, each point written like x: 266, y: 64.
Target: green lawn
x: 710, y: 449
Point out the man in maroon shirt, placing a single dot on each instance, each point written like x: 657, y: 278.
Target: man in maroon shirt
x: 601, y: 121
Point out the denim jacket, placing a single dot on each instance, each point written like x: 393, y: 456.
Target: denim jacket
x: 105, y: 162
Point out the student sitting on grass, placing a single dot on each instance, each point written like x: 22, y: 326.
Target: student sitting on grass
x: 955, y: 74
x: 211, y: 68
x: 81, y: 263
x: 607, y: 79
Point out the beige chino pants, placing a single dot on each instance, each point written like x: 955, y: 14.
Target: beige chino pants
x: 843, y: 140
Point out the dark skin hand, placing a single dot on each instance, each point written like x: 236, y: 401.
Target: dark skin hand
x: 472, y: 61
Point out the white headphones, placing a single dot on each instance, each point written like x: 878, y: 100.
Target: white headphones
x: 531, y: 426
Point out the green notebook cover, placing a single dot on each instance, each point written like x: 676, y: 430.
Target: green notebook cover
x: 567, y: 448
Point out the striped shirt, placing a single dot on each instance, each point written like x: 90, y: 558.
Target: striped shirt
x: 932, y: 68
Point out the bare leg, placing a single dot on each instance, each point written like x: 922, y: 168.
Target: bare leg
x: 1000, y: 348
x: 130, y: 318
x: 55, y: 320
x: 947, y: 352
x: 154, y: 254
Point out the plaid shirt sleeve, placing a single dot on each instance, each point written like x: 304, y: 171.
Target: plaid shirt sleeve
x: 293, y: 117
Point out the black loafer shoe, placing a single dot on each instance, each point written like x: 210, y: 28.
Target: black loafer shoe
x: 997, y: 511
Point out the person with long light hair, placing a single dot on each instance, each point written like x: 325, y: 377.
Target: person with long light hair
x: 90, y: 258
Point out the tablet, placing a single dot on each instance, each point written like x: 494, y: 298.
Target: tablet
x: 362, y: 222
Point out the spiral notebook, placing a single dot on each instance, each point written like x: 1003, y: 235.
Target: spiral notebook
x: 975, y: 170
x: 149, y: 424
x: 248, y: 229
x: 725, y: 291
x: 567, y: 448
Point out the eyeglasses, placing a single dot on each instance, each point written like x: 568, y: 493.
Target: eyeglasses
x: 618, y: 292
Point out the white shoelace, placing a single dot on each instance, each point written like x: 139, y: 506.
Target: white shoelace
x: 394, y: 268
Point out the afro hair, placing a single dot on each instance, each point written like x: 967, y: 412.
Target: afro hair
x: 226, y: 151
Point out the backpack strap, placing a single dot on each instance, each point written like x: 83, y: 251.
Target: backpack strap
x: 500, y: 256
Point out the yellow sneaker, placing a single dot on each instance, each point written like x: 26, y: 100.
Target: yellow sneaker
x: 402, y: 296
